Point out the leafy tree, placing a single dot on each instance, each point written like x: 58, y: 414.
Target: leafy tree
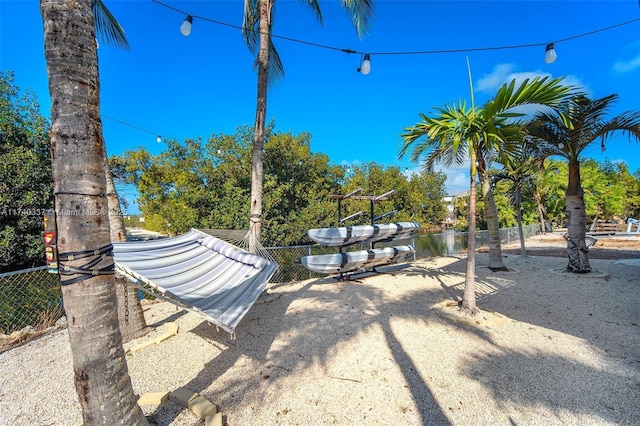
x: 620, y: 181
x: 205, y: 185
x: 604, y: 193
x: 551, y: 185
x: 456, y: 133
x: 256, y: 29
x: 299, y: 184
x: 25, y: 177
x: 631, y: 182
x: 426, y: 192
x: 417, y: 197
x: 78, y: 168
x: 567, y: 133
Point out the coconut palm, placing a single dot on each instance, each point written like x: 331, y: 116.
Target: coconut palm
x: 78, y: 163
x: 457, y: 133
x: 130, y: 314
x: 256, y: 29
x: 567, y: 132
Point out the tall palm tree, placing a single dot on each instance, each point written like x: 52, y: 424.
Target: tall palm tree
x: 101, y: 375
x: 519, y: 170
x: 577, y: 124
x: 130, y: 314
x: 257, y: 26
x: 457, y: 133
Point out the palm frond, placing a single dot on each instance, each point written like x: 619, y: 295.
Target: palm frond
x: 276, y: 68
x: 315, y: 7
x: 578, y: 123
x: 361, y: 12
x: 251, y: 25
x: 442, y: 138
x: 107, y: 27
x: 626, y: 123
x: 542, y: 91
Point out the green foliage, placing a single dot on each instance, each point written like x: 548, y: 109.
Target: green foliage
x: 619, y: 175
x: 552, y: 185
x: 206, y: 185
x: 418, y: 198
x: 610, y: 191
x: 25, y: 177
x: 461, y: 209
x: 25, y: 297
x: 505, y: 206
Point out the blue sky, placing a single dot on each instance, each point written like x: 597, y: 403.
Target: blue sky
x: 185, y: 87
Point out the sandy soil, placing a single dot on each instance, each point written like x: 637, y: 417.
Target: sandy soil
x: 547, y: 348
x: 606, y: 247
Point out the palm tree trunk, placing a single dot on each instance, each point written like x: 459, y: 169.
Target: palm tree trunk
x: 518, y: 199
x: 537, y: 198
x: 469, y: 296
x: 491, y: 216
x: 130, y: 315
x: 257, y: 170
x: 577, y: 222
x: 101, y: 376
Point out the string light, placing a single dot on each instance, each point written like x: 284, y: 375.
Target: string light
x: 124, y: 123
x: 365, y: 67
x: 189, y: 20
x: 550, y: 54
x: 185, y: 28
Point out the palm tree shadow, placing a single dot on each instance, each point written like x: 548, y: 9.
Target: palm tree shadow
x: 561, y: 385
x: 304, y: 328
x: 428, y: 407
x: 593, y: 309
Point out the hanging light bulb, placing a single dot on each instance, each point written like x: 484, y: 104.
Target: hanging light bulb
x: 159, y: 139
x: 550, y: 55
x: 406, y: 170
x: 365, y: 67
x: 185, y: 28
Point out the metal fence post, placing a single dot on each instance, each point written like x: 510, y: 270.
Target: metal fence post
x: 309, y: 251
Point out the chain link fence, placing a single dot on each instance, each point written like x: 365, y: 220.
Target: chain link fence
x: 31, y: 298
x: 427, y: 245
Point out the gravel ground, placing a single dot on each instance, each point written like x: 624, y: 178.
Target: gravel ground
x: 547, y: 348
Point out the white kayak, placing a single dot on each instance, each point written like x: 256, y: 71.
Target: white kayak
x: 354, y: 260
x: 346, y: 235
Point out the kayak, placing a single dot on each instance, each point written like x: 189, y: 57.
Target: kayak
x: 354, y: 260
x: 347, y: 235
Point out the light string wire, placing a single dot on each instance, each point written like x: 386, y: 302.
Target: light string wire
x: 424, y: 52
x: 410, y: 52
x: 133, y: 126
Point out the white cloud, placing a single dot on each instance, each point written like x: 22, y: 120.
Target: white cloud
x: 504, y: 73
x: 491, y: 82
x: 626, y: 66
x: 457, y: 178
